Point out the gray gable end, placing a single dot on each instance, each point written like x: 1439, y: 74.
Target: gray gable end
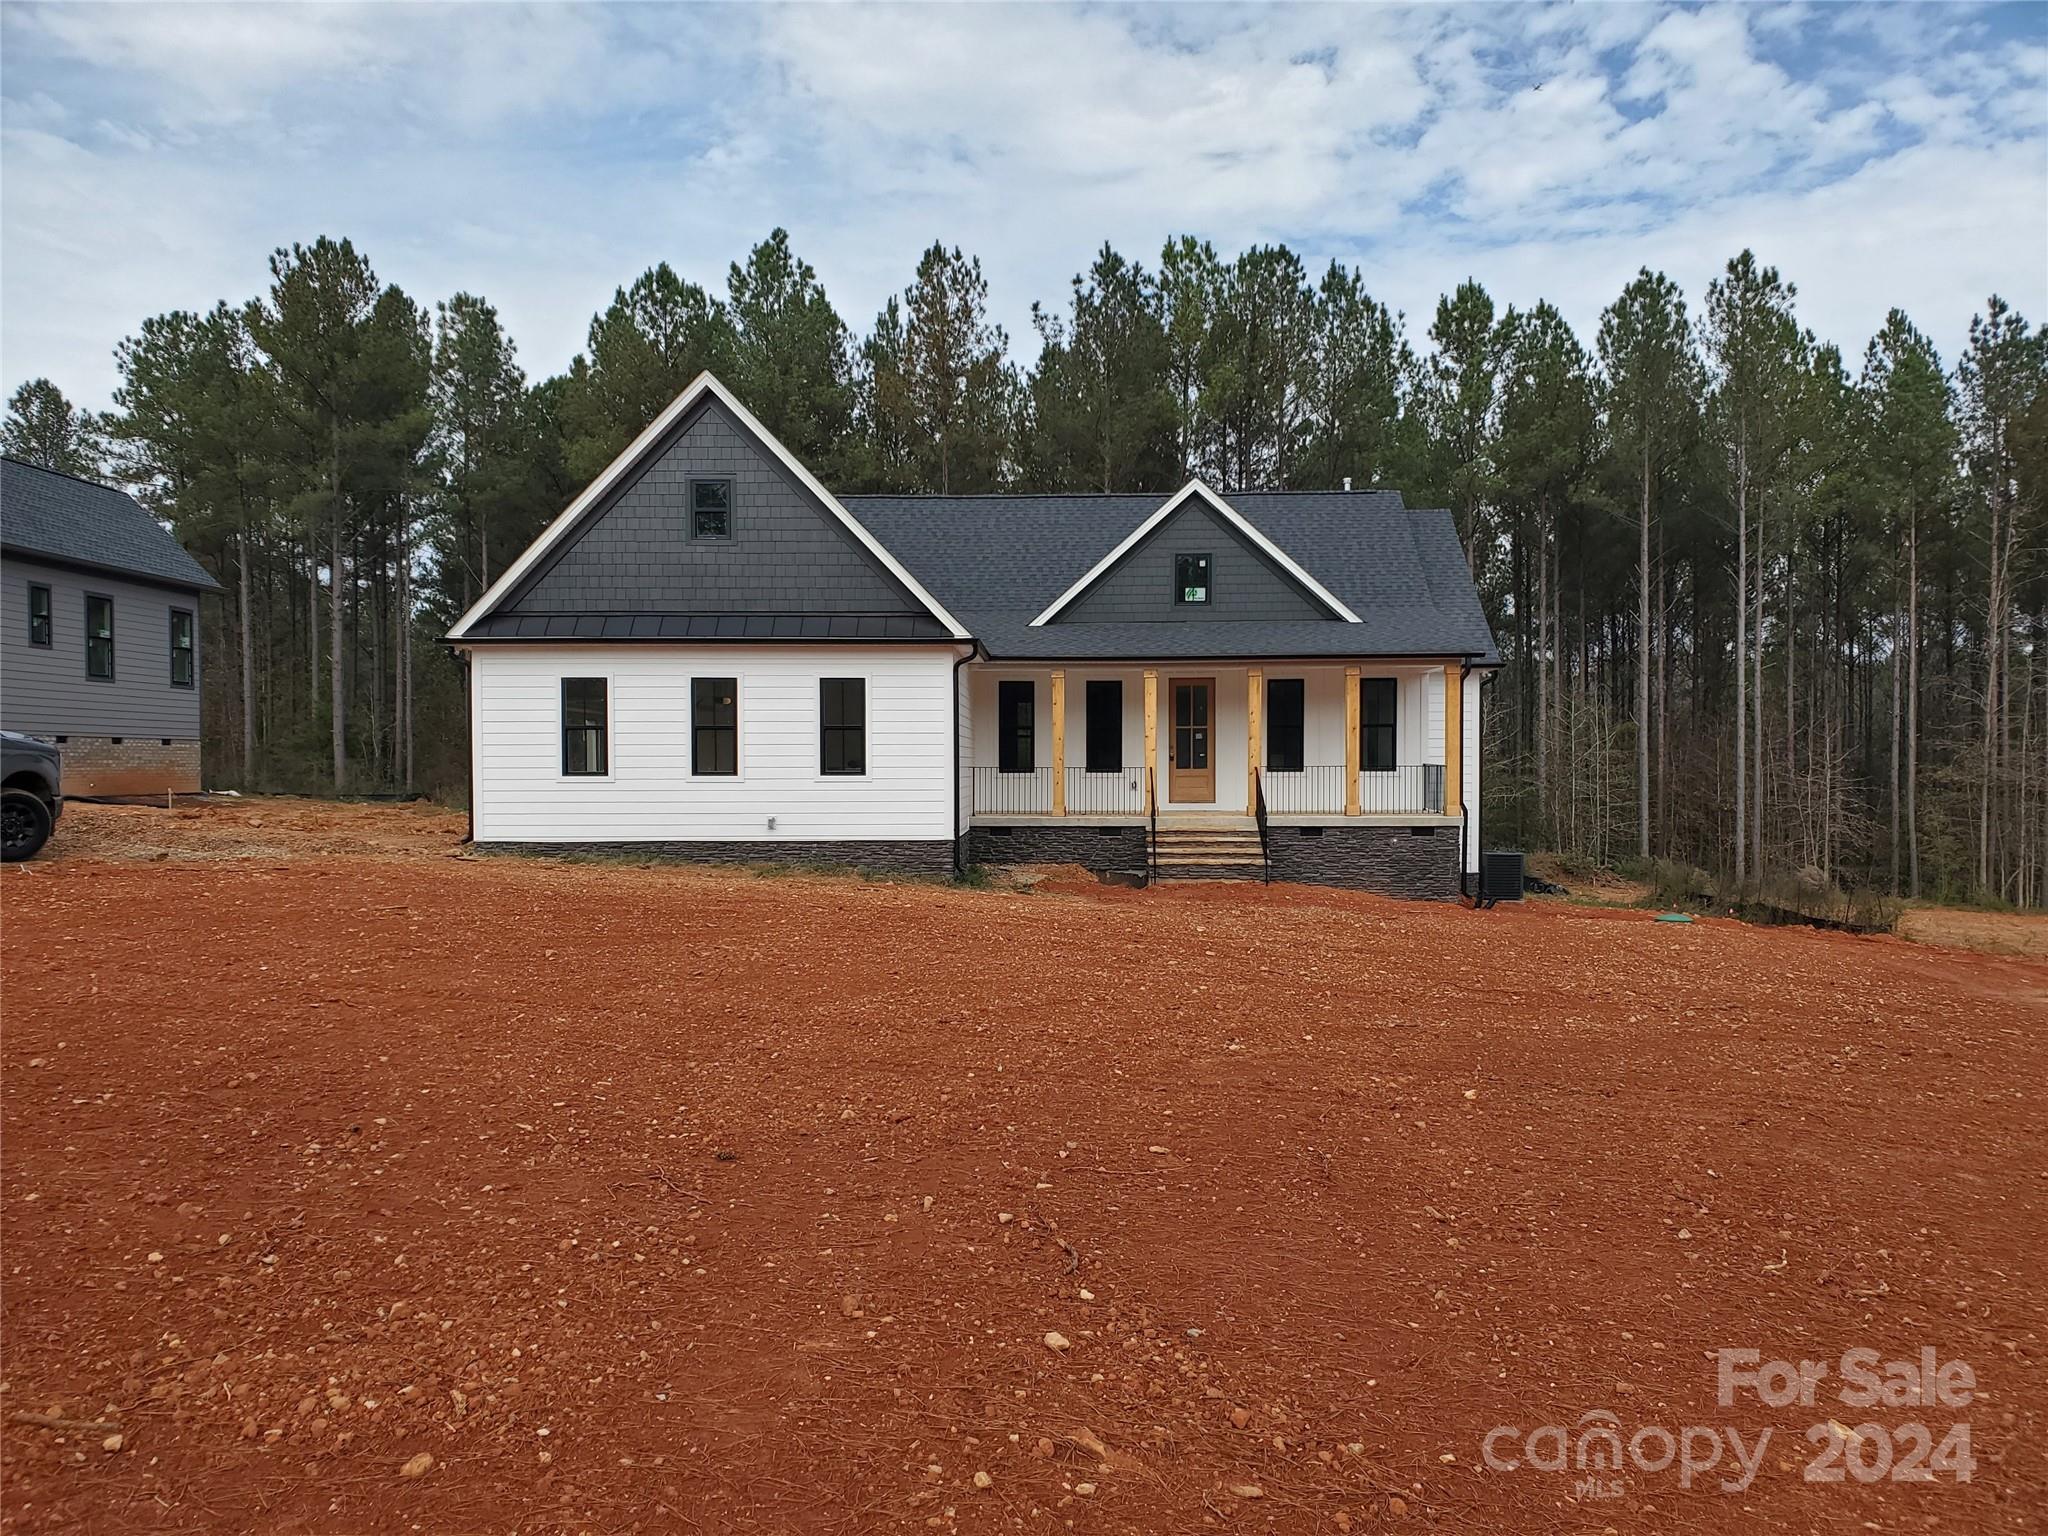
x: 787, y: 554
x: 1246, y: 585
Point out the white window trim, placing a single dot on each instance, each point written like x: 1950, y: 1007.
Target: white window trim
x: 1236, y: 519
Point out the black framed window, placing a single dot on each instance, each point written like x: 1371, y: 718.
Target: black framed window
x: 99, y: 636
x: 1105, y: 725
x: 1016, y: 726
x: 710, y: 509
x: 38, y: 614
x: 1191, y: 578
x: 843, y: 725
x: 1377, y: 700
x: 1286, y: 711
x: 182, y: 642
x: 715, y: 726
x: 585, y: 726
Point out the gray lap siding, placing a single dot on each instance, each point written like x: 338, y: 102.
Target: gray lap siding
x: 45, y: 690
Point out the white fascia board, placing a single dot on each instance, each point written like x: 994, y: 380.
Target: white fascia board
x: 1265, y: 545
x: 639, y: 448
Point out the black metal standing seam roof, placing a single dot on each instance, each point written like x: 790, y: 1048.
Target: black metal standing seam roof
x: 997, y: 562
x: 58, y: 517
x: 671, y: 627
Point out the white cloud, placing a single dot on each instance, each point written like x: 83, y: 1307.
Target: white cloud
x: 151, y: 157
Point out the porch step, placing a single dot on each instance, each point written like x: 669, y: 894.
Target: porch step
x: 1209, y: 853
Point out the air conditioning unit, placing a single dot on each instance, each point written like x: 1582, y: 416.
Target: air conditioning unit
x: 1500, y: 877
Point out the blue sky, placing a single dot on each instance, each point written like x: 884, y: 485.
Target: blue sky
x: 151, y: 157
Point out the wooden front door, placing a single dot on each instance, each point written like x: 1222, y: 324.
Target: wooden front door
x: 1191, y: 743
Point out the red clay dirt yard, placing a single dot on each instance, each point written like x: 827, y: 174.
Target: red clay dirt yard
x: 353, y: 1183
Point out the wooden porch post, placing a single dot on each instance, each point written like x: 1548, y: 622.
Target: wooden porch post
x: 1255, y: 690
x: 1059, y: 741
x: 1454, y: 740
x: 1351, y: 741
x: 1151, y: 736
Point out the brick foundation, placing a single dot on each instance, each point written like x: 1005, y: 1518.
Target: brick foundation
x: 1096, y: 848
x: 1394, y: 861
x: 896, y: 858
x: 129, y: 765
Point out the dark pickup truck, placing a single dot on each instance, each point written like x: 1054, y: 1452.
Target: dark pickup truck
x: 31, y: 772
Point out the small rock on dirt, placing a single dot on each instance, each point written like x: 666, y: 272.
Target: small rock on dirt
x: 1057, y: 1342
x: 1247, y: 1490
x: 112, y: 1443
x: 419, y: 1466
x: 1397, y: 1506
x: 983, y: 1481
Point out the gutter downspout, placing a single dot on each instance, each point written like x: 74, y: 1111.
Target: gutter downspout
x: 959, y: 861
x: 1465, y: 809
x: 469, y: 729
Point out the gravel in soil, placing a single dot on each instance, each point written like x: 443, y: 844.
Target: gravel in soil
x: 363, y: 1185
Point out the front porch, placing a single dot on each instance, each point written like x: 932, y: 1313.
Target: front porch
x: 1202, y: 745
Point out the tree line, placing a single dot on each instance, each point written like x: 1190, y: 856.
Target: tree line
x: 1765, y: 608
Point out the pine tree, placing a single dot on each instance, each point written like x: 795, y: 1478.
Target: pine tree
x: 1100, y: 415
x: 42, y: 427
x: 791, y: 362
x: 1652, y: 382
x: 643, y: 351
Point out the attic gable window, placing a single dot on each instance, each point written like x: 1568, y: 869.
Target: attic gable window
x: 710, y: 509
x: 1191, y: 579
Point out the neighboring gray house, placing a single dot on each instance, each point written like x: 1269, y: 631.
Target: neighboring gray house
x: 711, y: 655
x: 99, y: 633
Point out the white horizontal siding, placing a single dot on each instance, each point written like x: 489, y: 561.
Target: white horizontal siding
x: 649, y: 794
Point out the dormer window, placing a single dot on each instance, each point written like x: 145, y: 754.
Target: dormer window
x: 1190, y: 579
x: 710, y: 509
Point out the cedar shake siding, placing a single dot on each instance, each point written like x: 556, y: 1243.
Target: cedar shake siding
x: 785, y: 553
x: 1245, y: 586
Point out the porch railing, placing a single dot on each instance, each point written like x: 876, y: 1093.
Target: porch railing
x: 1314, y: 790
x: 1396, y: 791
x: 1317, y: 789
x: 997, y: 793
x: 1121, y: 793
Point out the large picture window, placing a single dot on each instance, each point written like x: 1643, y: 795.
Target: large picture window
x: 1016, y: 726
x: 843, y: 725
x: 1285, y: 714
x: 1105, y: 725
x: 99, y: 636
x: 182, y: 670
x: 38, y: 614
x: 1377, y: 707
x: 585, y: 726
x: 715, y: 726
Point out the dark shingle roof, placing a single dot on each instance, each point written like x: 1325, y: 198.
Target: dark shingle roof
x: 996, y: 562
x: 77, y: 522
